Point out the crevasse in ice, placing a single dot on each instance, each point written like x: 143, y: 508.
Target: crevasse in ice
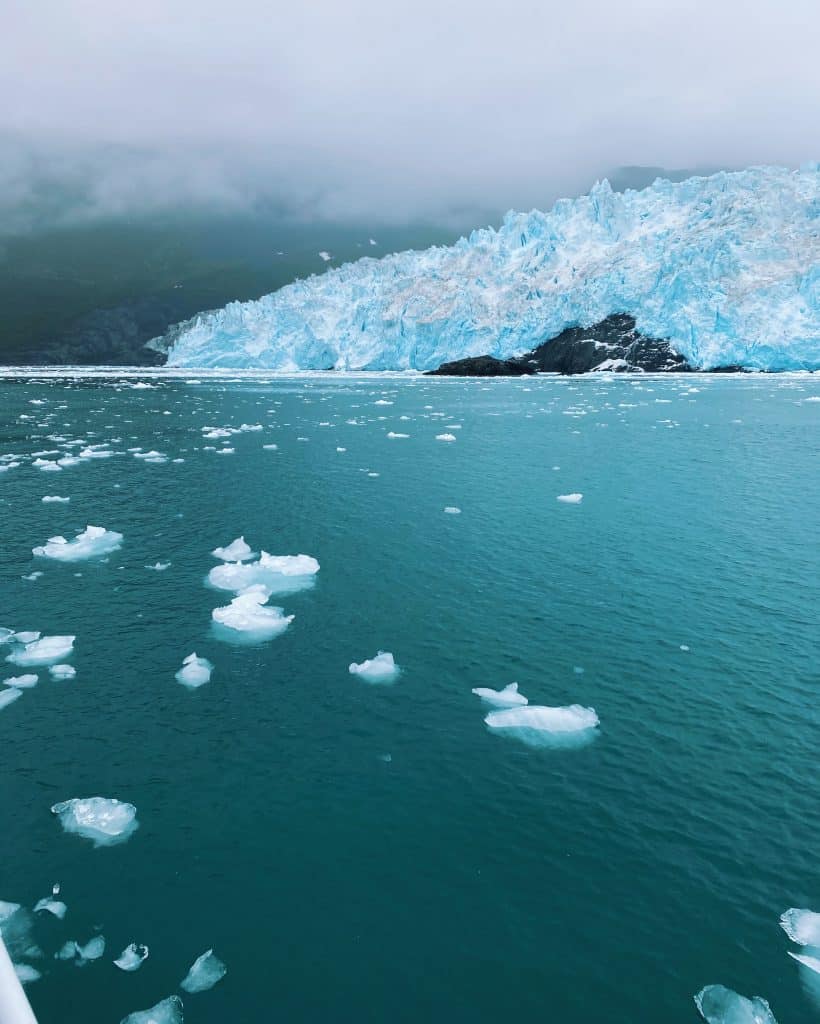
x: 726, y: 267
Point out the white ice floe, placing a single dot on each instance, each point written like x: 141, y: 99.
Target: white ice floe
x: 40, y: 651
x: 205, y: 972
x: 812, y: 962
x: 55, y: 499
x: 132, y: 957
x: 546, y: 726
x: 103, y: 821
x: 159, y: 566
x: 270, y: 447
x: 24, y: 682
x: 195, y: 672
x: 393, y: 434
x: 248, y: 614
x: 62, y: 671
x: 236, y: 551
x: 9, y: 696
x: 279, y: 574
x: 51, y: 906
x: 452, y: 510
x: 509, y: 697
x: 720, y: 1005
x: 168, y: 1011
x: 93, y: 542
x: 381, y: 669
x: 570, y: 499
x: 445, y: 437
x: 802, y: 926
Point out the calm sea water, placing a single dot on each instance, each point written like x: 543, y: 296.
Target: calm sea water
x: 363, y: 853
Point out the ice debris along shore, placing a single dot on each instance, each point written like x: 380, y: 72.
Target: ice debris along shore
x: 93, y: 542
x: 381, y: 669
x: 104, y: 821
x: 720, y: 1005
x: 725, y: 267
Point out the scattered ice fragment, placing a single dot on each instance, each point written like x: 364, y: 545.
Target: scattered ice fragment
x: 67, y: 951
x: 279, y: 574
x: 62, y: 671
x: 381, y: 669
x: 168, y: 1011
x: 445, y: 437
x: 159, y: 566
x: 325, y: 256
x: 55, y: 907
x: 132, y: 957
x: 570, y: 499
x: 26, y: 636
x: 93, y: 542
x: 684, y: 647
x: 9, y: 696
x: 54, y: 498
x: 452, y: 510
x: 236, y: 551
x: 248, y: 614
x: 546, y: 726
x: 97, y: 818
x: 507, y: 698
x: 44, y: 651
x: 32, y: 576
x: 270, y: 447
x: 341, y: 449
x: 205, y: 972
x: 22, y: 682
x: 720, y: 1005
x: 802, y: 926
x: 92, y: 950
x: 811, y: 962
x: 26, y: 973
x: 195, y: 672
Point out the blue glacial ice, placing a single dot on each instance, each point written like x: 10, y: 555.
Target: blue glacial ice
x: 726, y: 267
x: 103, y: 821
x: 720, y: 1005
x: 205, y: 972
x: 132, y: 957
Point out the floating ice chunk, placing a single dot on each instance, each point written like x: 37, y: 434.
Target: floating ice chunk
x: 811, y: 962
x: 325, y: 256
x: 205, y: 972
x: 236, y: 551
x: 9, y: 696
x: 54, y: 498
x: 94, y: 949
x: 97, y: 818
x: 194, y: 672
x: 52, y: 906
x: 159, y: 566
x: 719, y: 1005
x: 279, y: 574
x: 393, y: 434
x: 32, y: 576
x: 22, y: 682
x: 26, y: 974
x: 570, y: 499
x: 67, y: 951
x: 132, y: 957
x: 25, y: 636
x: 381, y: 669
x: 341, y: 449
x: 44, y: 651
x: 270, y: 447
x: 445, y: 437
x: 248, y: 614
x: 509, y: 697
x: 802, y: 926
x: 452, y: 510
x: 546, y: 726
x: 62, y: 671
x: 168, y: 1011
x: 93, y: 542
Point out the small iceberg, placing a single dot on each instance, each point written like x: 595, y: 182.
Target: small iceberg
x: 279, y: 574
x: 51, y: 906
x: 381, y: 669
x: 62, y: 671
x: 249, y: 615
x: 44, y: 651
x: 811, y: 962
x: 571, y: 499
x: 195, y: 672
x: 9, y: 696
x: 92, y: 950
x: 539, y: 726
x: 168, y: 1011
x: 445, y: 437
x: 205, y: 972
x: 93, y: 542
x: 132, y: 957
x: 22, y: 682
x: 236, y: 551
x: 54, y: 499
x: 509, y: 697
x: 720, y: 1005
x: 452, y: 510
x: 802, y: 926
x: 103, y: 821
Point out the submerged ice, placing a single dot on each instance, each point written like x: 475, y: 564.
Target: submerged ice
x: 727, y: 268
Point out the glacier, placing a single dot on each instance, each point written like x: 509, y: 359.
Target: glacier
x: 725, y: 267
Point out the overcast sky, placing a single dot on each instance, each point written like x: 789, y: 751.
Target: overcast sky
x: 390, y: 109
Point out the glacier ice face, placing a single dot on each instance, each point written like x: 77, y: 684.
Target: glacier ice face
x: 720, y: 1005
x: 205, y: 972
x: 103, y: 821
x: 93, y: 542
x: 726, y: 267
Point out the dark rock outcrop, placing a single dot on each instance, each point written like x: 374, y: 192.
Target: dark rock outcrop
x: 484, y: 366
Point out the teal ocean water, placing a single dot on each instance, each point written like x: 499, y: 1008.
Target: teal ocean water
x: 376, y: 853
